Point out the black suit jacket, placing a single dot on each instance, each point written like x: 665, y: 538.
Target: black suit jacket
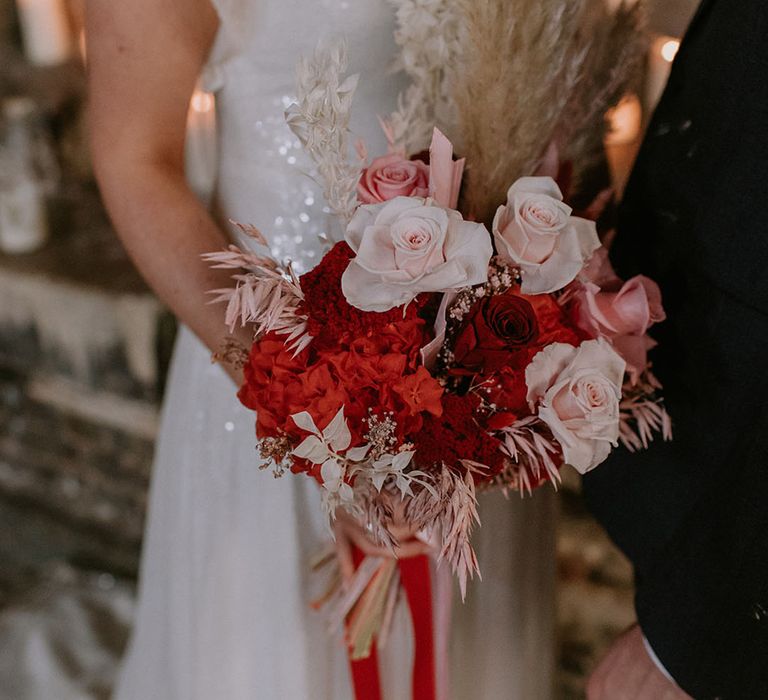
x: 693, y: 514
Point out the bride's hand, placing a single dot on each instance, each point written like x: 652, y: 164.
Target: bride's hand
x: 349, y: 532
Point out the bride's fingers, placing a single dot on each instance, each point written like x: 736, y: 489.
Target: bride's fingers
x: 412, y: 548
x: 344, y: 552
x: 405, y: 550
x: 363, y: 541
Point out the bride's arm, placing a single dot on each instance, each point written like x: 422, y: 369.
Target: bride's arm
x: 144, y: 59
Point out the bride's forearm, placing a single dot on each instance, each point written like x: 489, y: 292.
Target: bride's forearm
x: 144, y: 58
x: 166, y: 230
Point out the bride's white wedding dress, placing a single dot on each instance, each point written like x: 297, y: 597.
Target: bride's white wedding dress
x: 223, y: 611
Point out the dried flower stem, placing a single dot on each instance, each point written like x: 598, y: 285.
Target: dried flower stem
x: 320, y: 120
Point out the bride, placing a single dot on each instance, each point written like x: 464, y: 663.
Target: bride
x: 223, y: 611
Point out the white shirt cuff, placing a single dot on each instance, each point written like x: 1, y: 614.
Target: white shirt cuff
x: 656, y: 661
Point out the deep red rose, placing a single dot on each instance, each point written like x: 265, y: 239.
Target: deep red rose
x: 496, y: 333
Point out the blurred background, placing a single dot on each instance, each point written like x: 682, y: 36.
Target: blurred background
x: 84, y: 347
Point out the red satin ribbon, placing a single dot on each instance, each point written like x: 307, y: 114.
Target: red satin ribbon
x: 416, y: 581
x: 365, y: 672
x: 415, y: 576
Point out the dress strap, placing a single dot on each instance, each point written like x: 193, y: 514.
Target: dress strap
x: 236, y: 24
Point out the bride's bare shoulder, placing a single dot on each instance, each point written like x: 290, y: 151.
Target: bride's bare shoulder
x: 144, y: 57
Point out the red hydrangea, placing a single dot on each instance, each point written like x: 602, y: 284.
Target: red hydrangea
x: 555, y: 324
x: 507, y: 392
x: 332, y: 321
x: 273, y: 384
x: 457, y: 436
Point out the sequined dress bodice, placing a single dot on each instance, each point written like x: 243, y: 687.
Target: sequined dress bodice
x: 262, y: 171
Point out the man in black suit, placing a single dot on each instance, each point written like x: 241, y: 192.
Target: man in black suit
x: 692, y: 515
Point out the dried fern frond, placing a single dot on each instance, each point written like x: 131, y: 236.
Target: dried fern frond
x: 641, y: 419
x: 265, y: 296
x: 320, y: 120
x: 456, y: 525
x: 449, y: 509
x: 520, y: 63
x: 642, y: 414
x: 530, y: 446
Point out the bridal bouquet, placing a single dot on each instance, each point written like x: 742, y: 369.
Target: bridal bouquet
x: 468, y: 332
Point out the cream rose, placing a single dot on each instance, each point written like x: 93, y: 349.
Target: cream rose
x: 393, y: 176
x: 577, y: 392
x: 408, y: 246
x: 535, y: 231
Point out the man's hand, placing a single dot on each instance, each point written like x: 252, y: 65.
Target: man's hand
x: 628, y: 673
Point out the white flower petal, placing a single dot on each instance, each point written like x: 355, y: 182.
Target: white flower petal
x: 589, y: 242
x: 378, y: 478
x: 305, y: 421
x: 364, y: 217
x: 366, y: 290
x: 375, y: 253
x: 535, y: 185
x: 346, y: 492
x: 312, y: 449
x: 357, y: 454
x: 599, y: 355
x: 557, y: 271
x: 331, y: 472
x: 546, y: 365
x: 401, y: 460
x: 337, y: 434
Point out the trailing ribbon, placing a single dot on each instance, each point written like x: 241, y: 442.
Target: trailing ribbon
x: 416, y: 580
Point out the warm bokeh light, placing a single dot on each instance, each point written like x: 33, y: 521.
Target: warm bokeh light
x: 202, y: 102
x: 624, y: 121
x: 669, y: 50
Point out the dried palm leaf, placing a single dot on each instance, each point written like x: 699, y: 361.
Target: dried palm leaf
x: 534, y: 72
x: 613, y: 67
x: 520, y: 62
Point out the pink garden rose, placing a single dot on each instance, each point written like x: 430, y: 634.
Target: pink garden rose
x: 393, y: 176
x: 577, y: 392
x: 406, y: 247
x: 599, y: 270
x: 623, y: 316
x: 536, y: 232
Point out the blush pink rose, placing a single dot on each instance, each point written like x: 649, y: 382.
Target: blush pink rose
x: 536, y: 232
x: 405, y: 247
x: 577, y: 392
x: 624, y: 316
x: 630, y: 311
x: 599, y: 270
x: 393, y: 176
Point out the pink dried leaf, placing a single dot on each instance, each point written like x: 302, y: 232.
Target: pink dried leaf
x: 251, y: 231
